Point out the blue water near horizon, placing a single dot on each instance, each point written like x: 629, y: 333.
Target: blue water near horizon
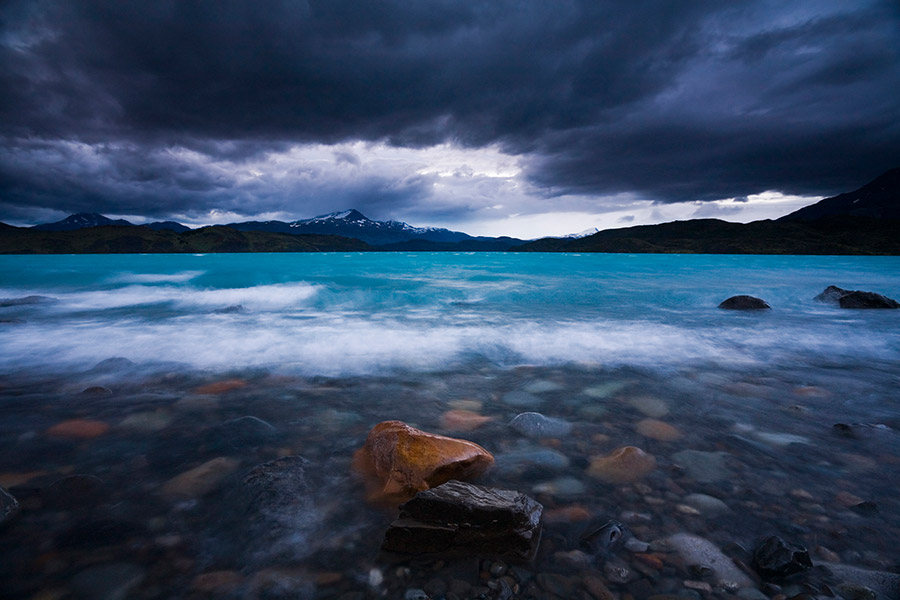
x: 350, y: 314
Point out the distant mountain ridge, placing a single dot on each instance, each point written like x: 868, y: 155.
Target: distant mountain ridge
x: 81, y: 221
x: 354, y: 224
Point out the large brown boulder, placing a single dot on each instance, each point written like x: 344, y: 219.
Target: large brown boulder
x: 398, y: 461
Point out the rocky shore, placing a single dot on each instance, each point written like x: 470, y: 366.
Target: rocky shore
x: 127, y: 482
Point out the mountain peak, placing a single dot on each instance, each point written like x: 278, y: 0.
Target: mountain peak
x: 350, y: 216
x: 81, y: 221
x: 879, y: 199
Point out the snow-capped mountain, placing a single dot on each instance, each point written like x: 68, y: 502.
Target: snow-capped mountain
x: 580, y: 234
x: 354, y: 224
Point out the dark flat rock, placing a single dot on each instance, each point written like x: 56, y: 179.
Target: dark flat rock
x: 463, y: 518
x: 744, y: 303
x: 776, y: 558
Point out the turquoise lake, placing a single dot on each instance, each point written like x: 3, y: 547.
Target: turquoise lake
x: 345, y: 314
x: 138, y: 391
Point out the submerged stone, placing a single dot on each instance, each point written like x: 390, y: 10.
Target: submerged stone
x: 701, y: 466
x: 744, y: 303
x: 695, y: 550
x: 398, y: 461
x: 706, y: 505
x: 463, y: 420
x: 200, y: 480
x: 623, y: 465
x: 604, y: 537
x: 776, y: 558
x: 657, y: 430
x: 458, y: 517
x: 536, y: 425
x: 650, y: 406
x: 78, y: 429
x: 275, y: 512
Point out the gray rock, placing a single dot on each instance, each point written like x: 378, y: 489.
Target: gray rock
x: 744, y: 303
x: 463, y: 518
x: 696, y: 550
x: 273, y: 512
x: 536, y: 425
x: 885, y: 585
x: 9, y: 507
x: 707, y: 505
x: 415, y: 594
x: 702, y: 466
x: 108, y: 582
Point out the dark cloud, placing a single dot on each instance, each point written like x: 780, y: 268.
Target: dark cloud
x: 665, y: 101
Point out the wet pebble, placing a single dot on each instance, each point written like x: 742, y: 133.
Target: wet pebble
x: 657, y: 430
x: 536, y: 425
x: 415, y: 594
x: 707, y: 505
x: 623, y: 465
x: 650, y: 406
x: 78, y: 429
x: 200, y: 480
x: 701, y: 466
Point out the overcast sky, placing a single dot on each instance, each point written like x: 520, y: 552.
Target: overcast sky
x: 497, y: 117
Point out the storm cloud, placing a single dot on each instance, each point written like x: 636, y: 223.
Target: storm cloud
x: 290, y: 108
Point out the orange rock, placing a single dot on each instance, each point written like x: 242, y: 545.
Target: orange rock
x: 217, y: 581
x: 9, y: 480
x: 567, y: 514
x: 199, y: 480
x: 624, y: 465
x: 398, y: 461
x: 79, y: 429
x: 650, y: 560
x: 657, y: 430
x: 463, y: 420
x: 220, y: 387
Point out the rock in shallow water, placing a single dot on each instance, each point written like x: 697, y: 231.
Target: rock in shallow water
x: 536, y: 425
x: 776, y: 558
x: 744, y: 303
x: 696, y: 550
x: 702, y: 466
x: 623, y: 465
x: 398, y: 460
x: 275, y: 512
x: 855, y: 298
x: 200, y: 480
x: 459, y: 517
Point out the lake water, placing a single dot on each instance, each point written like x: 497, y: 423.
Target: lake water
x: 165, y: 357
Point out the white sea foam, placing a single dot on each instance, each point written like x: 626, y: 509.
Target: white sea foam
x: 262, y: 297
x: 333, y: 344
x: 180, y: 277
